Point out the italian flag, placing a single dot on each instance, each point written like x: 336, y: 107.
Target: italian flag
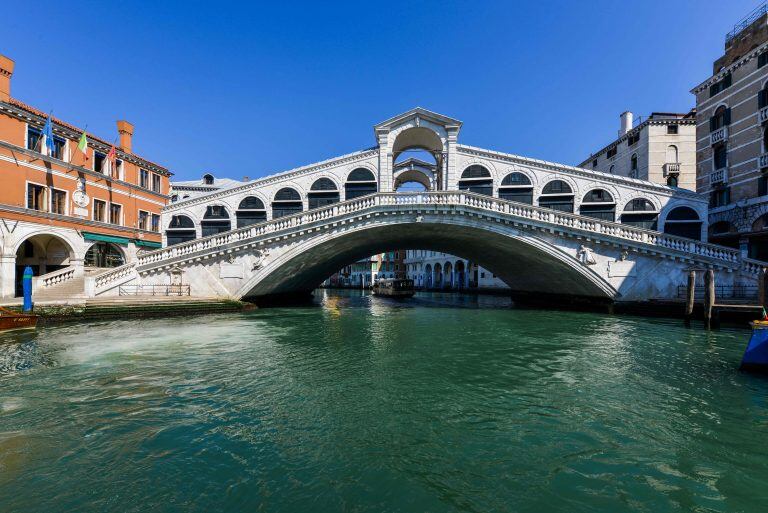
x: 82, y: 145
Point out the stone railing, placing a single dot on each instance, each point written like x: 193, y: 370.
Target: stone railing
x: 719, y: 135
x: 671, y: 168
x: 536, y: 215
x: 752, y: 266
x: 110, y: 279
x: 718, y: 176
x: 763, y: 115
x: 54, y: 278
x: 762, y: 161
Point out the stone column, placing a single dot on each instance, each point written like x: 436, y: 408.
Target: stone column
x: 744, y: 247
x: 450, y: 179
x: 385, y: 161
x: 8, y: 276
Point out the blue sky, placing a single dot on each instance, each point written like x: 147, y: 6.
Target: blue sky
x: 255, y: 88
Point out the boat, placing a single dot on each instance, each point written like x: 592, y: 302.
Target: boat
x: 10, y: 320
x: 394, y: 287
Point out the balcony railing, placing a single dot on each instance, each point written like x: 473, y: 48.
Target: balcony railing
x: 763, y: 115
x: 762, y: 161
x: 718, y: 176
x: 671, y: 168
x: 719, y: 135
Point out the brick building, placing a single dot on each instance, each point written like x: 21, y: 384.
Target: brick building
x: 61, y: 208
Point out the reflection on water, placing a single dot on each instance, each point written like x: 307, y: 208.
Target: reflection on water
x: 438, y: 403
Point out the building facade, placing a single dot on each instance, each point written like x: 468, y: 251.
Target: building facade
x: 660, y: 149
x: 63, y: 210
x: 732, y: 139
x: 188, y: 189
x: 433, y: 270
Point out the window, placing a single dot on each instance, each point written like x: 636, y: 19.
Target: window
x: 610, y: 169
x: 360, y: 182
x: 117, y: 170
x: 33, y: 138
x: 216, y: 220
x: 115, y: 212
x: 155, y: 182
x: 181, y: 229
x: 208, y: 179
x: 323, y: 192
x: 477, y: 179
x: 611, y: 152
x: 762, y: 59
x: 58, y: 202
x: 721, y: 85
x: 672, y: 129
x: 599, y: 204
x: 99, y: 210
x: 633, y: 138
x: 594, y: 163
x: 144, y: 178
x: 143, y: 220
x: 155, y: 222
x: 174, y: 198
x: 36, y: 197
x: 721, y: 118
x: 516, y: 187
x: 672, y: 180
x: 720, y: 158
x: 683, y: 222
x: 720, y: 197
x: 557, y: 195
x: 99, y: 161
x: 633, y: 166
x: 762, y: 185
x: 640, y: 212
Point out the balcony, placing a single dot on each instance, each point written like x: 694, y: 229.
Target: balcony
x: 719, y: 135
x: 671, y: 168
x: 762, y: 161
x: 719, y: 176
x: 763, y: 115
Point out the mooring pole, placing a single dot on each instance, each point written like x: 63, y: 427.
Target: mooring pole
x: 690, y: 298
x: 709, y: 297
x: 761, y: 288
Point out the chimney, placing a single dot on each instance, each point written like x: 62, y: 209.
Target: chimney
x: 125, y: 129
x: 6, y: 70
x: 626, y: 122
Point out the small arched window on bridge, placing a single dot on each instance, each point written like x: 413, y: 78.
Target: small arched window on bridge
x: 557, y: 195
x: 598, y: 203
x: 683, y: 222
x: 250, y: 211
x: 181, y: 229
x: 286, y: 203
x: 477, y: 179
x: 640, y: 212
x: 208, y: 179
x: 323, y: 192
x: 516, y: 187
x: 216, y: 220
x: 360, y: 182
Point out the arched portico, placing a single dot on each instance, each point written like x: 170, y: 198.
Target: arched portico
x: 44, y: 253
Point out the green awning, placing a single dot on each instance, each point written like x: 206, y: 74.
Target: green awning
x: 106, y: 238
x: 147, y: 243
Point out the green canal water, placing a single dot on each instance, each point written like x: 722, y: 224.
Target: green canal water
x: 362, y: 404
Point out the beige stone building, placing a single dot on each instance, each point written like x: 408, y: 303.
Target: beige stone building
x: 660, y: 148
x: 732, y: 138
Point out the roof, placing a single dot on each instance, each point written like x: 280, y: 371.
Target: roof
x: 418, y: 112
x: 37, y: 112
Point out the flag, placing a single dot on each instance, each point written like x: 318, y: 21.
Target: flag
x: 82, y: 145
x: 111, y: 158
x: 48, y: 136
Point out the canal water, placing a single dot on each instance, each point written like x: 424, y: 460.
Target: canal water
x: 437, y: 404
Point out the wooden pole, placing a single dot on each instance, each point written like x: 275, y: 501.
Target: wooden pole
x: 709, y: 296
x: 690, y: 298
x: 761, y: 288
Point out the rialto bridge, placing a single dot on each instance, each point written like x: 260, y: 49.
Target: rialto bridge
x: 544, y: 228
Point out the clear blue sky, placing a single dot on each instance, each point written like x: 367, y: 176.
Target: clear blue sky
x: 256, y: 88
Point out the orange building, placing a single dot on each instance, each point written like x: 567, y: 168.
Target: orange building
x: 66, y: 211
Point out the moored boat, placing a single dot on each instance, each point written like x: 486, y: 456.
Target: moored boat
x: 10, y: 320
x: 394, y: 287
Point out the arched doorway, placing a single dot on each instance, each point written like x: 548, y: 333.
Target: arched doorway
x: 598, y: 203
x: 640, y: 212
x: 360, y: 182
x: 180, y: 229
x: 438, y: 279
x: 415, y: 175
x: 557, y: 195
x: 448, y: 275
x: 477, y: 179
x: 44, y: 253
x: 250, y: 211
x: 323, y: 192
x: 461, y: 275
x: 683, y: 222
x: 428, y: 276
x: 422, y: 146
x: 286, y: 203
x: 216, y: 220
x: 516, y: 187
x: 104, y: 255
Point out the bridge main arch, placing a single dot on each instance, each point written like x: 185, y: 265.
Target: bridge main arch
x: 527, y: 263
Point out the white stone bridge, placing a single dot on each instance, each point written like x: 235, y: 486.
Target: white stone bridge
x: 546, y: 229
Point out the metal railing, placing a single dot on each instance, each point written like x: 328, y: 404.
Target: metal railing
x: 155, y: 290
x: 728, y: 292
x: 746, y: 21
